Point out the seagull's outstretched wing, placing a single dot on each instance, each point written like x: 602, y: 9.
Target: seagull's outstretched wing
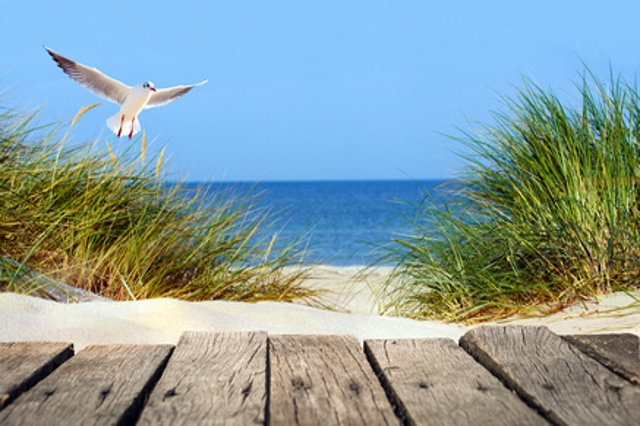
x: 164, y: 96
x: 92, y: 79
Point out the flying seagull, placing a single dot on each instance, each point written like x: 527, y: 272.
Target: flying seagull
x: 132, y: 100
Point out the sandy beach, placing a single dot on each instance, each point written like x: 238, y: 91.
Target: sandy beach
x: 348, y: 289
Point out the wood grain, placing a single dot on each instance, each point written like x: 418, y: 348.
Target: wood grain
x: 618, y: 352
x: 23, y: 364
x: 564, y: 384
x: 101, y: 385
x: 435, y: 382
x: 212, y: 378
x: 324, y: 380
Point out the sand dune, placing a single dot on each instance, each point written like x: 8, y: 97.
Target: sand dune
x: 26, y: 318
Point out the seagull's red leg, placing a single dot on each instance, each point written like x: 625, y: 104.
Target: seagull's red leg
x: 131, y: 132
x: 121, y: 124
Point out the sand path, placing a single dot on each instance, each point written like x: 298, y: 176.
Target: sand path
x: 163, y: 320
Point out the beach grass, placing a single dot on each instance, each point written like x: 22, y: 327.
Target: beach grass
x: 545, y: 215
x: 108, y: 222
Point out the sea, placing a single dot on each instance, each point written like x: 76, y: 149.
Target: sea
x: 342, y: 223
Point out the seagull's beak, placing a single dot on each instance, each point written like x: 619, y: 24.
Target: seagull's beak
x: 153, y: 88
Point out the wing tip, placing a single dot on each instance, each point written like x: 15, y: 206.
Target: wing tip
x: 60, y: 60
x: 50, y: 51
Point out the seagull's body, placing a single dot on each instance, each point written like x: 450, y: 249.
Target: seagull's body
x: 132, y: 100
x: 125, y: 120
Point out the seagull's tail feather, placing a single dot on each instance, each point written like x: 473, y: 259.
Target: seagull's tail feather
x: 113, y: 123
x: 116, y: 121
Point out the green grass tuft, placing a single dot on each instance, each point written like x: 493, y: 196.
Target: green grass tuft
x: 109, y: 224
x: 546, y: 213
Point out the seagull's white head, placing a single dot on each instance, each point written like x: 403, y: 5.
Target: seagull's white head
x: 149, y: 85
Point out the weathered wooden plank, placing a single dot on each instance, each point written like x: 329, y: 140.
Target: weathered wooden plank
x: 101, y: 385
x: 618, y: 352
x: 564, y: 384
x: 23, y: 364
x: 434, y: 381
x: 324, y: 380
x: 212, y: 378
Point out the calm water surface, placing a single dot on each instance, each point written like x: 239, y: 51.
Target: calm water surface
x: 345, y: 220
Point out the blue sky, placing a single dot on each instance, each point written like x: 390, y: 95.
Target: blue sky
x: 310, y: 90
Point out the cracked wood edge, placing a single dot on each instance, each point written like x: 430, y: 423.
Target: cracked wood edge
x: 618, y: 352
x: 212, y: 378
x: 562, y: 383
x: 435, y: 381
x: 324, y: 380
x: 100, y: 385
x: 24, y: 364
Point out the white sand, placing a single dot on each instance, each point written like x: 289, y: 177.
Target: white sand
x: 25, y: 318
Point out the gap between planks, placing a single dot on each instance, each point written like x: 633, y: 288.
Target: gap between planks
x: 249, y: 377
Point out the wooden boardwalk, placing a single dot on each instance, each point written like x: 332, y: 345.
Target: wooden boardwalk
x: 495, y: 375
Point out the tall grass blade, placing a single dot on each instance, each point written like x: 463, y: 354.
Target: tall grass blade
x: 114, y: 160
x: 143, y: 149
x: 83, y: 111
x: 159, y: 162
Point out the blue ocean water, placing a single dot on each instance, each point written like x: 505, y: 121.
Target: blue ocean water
x: 345, y: 221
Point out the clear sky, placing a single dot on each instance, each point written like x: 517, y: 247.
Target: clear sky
x: 310, y: 90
